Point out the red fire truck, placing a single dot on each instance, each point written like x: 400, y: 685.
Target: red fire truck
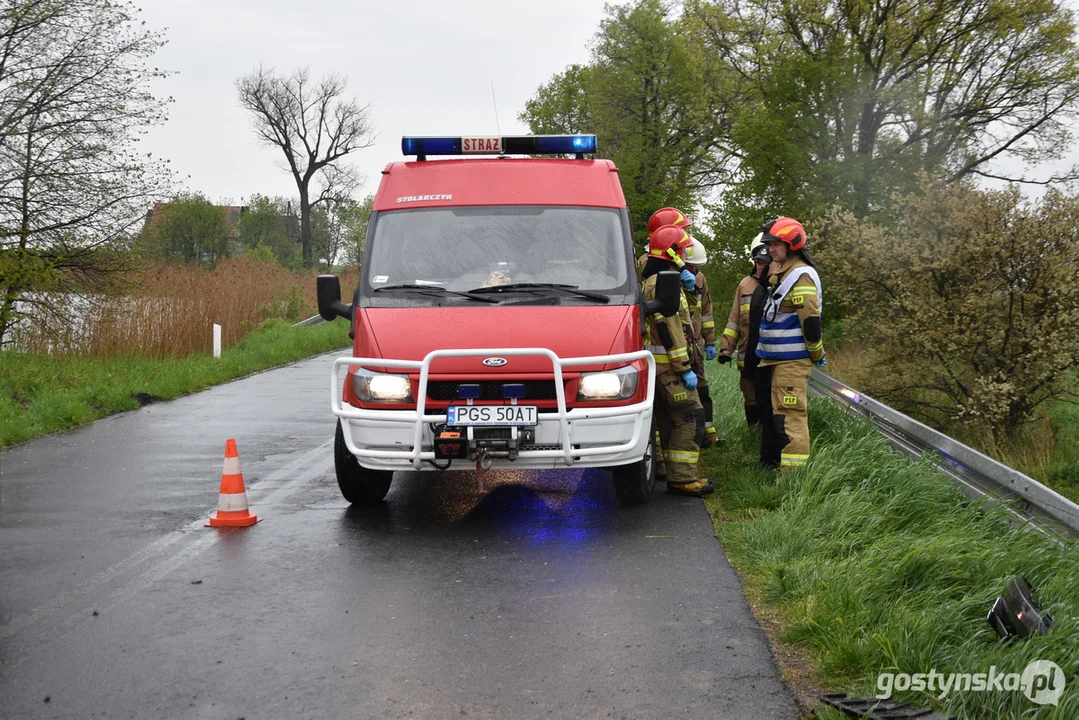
x: 498, y: 320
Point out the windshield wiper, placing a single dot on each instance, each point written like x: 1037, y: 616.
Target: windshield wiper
x: 572, y: 289
x: 435, y: 289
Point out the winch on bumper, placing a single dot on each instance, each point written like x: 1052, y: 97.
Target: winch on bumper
x: 591, y: 436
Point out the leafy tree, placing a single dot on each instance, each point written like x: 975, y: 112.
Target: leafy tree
x: 658, y: 108
x: 74, y: 99
x: 340, y: 229
x: 968, y: 301
x: 190, y: 228
x: 315, y: 128
x: 356, y: 238
x: 266, y: 223
x: 845, y: 102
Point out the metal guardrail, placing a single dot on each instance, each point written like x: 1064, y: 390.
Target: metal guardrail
x: 977, y: 475
x: 313, y: 320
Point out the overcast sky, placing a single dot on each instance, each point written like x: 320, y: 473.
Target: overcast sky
x: 424, y: 66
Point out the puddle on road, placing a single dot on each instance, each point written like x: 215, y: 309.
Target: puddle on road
x: 534, y: 506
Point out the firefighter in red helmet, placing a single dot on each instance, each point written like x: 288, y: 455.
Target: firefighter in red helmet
x: 661, y: 217
x: 790, y: 343
x: 678, y: 411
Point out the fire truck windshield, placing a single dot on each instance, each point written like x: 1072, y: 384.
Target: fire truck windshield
x: 465, y: 248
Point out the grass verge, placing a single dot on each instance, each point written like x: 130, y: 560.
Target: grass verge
x: 867, y: 562
x: 40, y: 394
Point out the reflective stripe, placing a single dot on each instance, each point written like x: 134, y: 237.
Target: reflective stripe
x: 678, y: 353
x: 659, y: 354
x: 744, y: 307
x: 232, y: 501
x: 708, y: 318
x: 792, y: 460
x: 741, y: 354
x: 741, y: 363
x: 232, y: 466
x: 708, y: 325
x: 813, y: 347
x: 730, y: 333
x: 681, y: 456
x: 732, y: 326
x: 802, y: 290
x: 746, y: 299
x: 782, y: 352
x: 782, y: 321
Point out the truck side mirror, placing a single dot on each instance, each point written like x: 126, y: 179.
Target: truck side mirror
x: 330, y: 306
x: 668, y: 295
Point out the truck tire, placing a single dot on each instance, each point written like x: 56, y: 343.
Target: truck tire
x: 359, y: 485
x: 634, y: 483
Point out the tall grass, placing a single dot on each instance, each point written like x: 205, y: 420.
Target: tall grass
x: 40, y: 394
x: 170, y: 310
x: 877, y: 564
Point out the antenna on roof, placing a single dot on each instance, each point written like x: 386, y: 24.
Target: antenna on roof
x: 495, y: 103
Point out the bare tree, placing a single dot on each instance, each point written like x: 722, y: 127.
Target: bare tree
x: 315, y: 128
x: 73, y: 103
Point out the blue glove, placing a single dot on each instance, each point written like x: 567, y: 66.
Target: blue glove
x: 821, y: 363
x: 709, y: 352
x: 690, y: 379
x: 688, y: 280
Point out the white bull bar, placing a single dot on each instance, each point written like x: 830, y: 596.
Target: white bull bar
x: 568, y: 454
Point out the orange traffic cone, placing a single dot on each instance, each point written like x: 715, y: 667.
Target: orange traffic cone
x: 232, y: 501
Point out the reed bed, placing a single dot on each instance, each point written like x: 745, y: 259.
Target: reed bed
x: 169, y: 311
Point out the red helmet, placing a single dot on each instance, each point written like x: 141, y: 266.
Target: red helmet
x: 786, y: 229
x: 667, y: 216
x: 669, y: 242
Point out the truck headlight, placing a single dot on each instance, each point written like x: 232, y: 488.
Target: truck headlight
x: 381, y: 387
x: 617, y: 384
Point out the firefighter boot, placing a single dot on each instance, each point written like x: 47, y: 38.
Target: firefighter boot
x: 698, y: 488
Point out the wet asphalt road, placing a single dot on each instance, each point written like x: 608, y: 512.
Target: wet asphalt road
x: 541, y: 598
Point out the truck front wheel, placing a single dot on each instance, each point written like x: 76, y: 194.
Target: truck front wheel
x: 359, y: 485
x: 634, y: 483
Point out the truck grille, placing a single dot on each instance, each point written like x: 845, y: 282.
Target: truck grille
x: 446, y: 390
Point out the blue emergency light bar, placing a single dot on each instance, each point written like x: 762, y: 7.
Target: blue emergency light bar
x: 495, y: 145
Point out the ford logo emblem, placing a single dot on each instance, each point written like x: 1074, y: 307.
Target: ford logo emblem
x: 495, y: 361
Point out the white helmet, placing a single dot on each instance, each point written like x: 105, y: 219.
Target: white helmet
x: 696, y: 254
x: 758, y: 247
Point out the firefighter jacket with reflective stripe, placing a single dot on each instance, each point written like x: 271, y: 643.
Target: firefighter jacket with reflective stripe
x: 736, y: 333
x: 640, y: 266
x: 794, y: 300
x: 700, y: 309
x: 674, y: 356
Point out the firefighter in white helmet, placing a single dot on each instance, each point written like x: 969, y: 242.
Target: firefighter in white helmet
x: 740, y: 334
x: 704, y: 332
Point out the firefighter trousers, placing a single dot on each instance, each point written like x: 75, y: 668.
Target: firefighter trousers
x: 710, y: 437
x: 749, y: 397
x: 785, y: 420
x: 680, y: 420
